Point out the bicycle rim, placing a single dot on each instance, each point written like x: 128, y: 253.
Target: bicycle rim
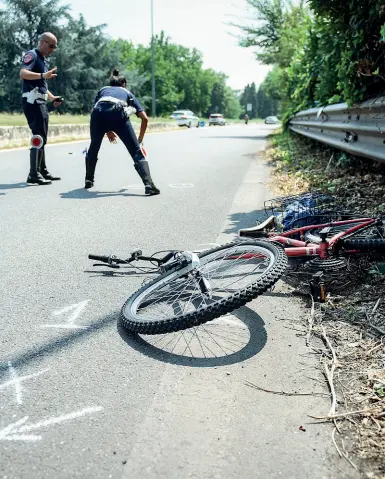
x: 227, y: 278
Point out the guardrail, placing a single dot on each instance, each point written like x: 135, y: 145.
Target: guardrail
x: 358, y: 129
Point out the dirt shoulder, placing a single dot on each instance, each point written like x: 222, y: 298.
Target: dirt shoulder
x: 351, y: 324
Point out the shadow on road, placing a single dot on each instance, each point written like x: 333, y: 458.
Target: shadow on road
x: 117, y: 272
x: 83, y: 194
x: 64, y: 342
x: 244, y: 220
x: 12, y: 186
x: 227, y: 340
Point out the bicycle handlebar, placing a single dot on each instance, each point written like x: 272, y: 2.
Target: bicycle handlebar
x: 103, y: 259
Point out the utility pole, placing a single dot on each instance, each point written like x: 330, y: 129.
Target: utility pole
x: 153, y: 60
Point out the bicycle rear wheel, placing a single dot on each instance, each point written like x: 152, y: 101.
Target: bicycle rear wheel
x: 228, y: 277
x: 368, y: 245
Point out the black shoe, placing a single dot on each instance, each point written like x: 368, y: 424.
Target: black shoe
x: 151, y: 190
x: 88, y: 184
x: 48, y: 176
x: 38, y: 180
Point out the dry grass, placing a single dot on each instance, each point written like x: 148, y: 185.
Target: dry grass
x: 352, y: 323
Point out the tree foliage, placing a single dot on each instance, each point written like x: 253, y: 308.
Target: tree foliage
x: 86, y: 56
x: 324, y: 52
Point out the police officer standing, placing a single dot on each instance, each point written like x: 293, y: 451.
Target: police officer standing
x: 34, y: 74
x: 110, y: 114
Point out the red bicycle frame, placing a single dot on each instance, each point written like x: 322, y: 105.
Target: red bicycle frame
x: 299, y: 248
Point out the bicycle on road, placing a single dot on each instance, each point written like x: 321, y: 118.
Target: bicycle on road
x: 311, y: 227
x: 195, y: 287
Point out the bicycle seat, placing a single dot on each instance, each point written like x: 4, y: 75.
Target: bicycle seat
x: 259, y: 230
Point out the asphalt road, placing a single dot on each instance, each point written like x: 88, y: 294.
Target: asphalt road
x: 80, y: 397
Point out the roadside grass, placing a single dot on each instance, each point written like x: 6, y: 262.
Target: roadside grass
x: 348, y: 330
x: 18, y: 119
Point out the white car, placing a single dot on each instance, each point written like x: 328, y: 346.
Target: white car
x: 272, y: 120
x: 216, y: 119
x: 185, y: 118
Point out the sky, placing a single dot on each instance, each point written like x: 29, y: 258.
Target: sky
x: 194, y: 23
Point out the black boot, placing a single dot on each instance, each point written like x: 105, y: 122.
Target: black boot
x: 43, y: 167
x: 35, y: 177
x: 90, y: 172
x: 144, y: 172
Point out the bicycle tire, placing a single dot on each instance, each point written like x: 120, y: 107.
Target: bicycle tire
x: 132, y: 322
x: 365, y: 245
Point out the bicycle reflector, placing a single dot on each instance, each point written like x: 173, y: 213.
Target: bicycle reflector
x: 37, y: 142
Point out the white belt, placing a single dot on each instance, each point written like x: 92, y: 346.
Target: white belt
x: 111, y: 99
x: 33, y: 95
x: 44, y: 96
x: 129, y: 110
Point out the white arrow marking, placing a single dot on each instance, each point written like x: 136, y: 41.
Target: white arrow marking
x: 13, y: 432
x: 16, y: 381
x: 69, y: 324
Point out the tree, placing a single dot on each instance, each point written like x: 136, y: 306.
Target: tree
x: 249, y: 97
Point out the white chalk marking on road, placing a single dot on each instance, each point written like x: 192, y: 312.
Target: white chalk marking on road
x: 17, y: 380
x: 181, y: 185
x: 14, y: 431
x: 70, y: 324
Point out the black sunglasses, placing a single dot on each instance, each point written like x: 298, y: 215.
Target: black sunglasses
x: 51, y: 45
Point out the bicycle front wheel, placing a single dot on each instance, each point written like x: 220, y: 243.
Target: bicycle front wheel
x: 228, y: 277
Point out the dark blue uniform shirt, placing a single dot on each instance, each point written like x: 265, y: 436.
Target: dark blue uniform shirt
x: 34, y: 61
x: 121, y: 94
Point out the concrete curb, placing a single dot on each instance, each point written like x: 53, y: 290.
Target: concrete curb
x: 14, y: 136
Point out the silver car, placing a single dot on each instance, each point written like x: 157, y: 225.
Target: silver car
x: 216, y: 119
x: 272, y: 120
x: 185, y: 118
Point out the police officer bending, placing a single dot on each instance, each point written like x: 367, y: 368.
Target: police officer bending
x: 110, y: 114
x: 34, y: 74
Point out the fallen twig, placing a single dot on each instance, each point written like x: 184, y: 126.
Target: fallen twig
x: 282, y: 393
x: 330, y: 374
x: 311, y: 321
x: 381, y: 331
x: 334, y: 441
x: 376, y: 305
x: 346, y: 414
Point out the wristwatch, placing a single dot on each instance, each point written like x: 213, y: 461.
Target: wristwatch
x: 41, y: 76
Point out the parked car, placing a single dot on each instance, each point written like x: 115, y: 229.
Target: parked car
x: 216, y: 119
x: 271, y: 120
x: 176, y: 114
x: 185, y: 118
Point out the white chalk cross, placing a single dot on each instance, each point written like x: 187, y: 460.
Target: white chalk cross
x: 16, y: 381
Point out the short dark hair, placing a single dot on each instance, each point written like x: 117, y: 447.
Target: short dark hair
x: 116, y: 79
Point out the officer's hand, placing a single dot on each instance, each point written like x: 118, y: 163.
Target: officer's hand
x: 50, y: 74
x: 111, y: 137
x: 57, y: 101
